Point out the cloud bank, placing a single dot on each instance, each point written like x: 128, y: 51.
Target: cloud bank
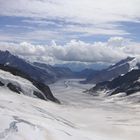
x: 111, y: 51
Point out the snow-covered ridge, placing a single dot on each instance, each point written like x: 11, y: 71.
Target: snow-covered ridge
x: 131, y: 61
x: 26, y: 87
x: 25, y: 84
x: 133, y: 64
x: 120, y: 68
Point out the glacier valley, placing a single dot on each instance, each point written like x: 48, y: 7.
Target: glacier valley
x: 79, y: 117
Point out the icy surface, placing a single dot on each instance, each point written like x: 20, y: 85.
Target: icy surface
x: 111, y: 118
x: 80, y: 117
x: 133, y: 64
x: 26, y: 86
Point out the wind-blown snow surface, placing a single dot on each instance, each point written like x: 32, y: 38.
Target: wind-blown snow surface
x: 27, y: 88
x: 109, y: 118
x: 80, y: 117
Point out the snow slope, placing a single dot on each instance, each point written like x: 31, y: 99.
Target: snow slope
x: 27, y: 88
x: 80, y: 117
x: 25, y: 118
x: 21, y: 83
x: 112, y: 118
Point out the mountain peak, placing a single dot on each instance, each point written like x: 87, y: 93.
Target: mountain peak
x: 6, y: 52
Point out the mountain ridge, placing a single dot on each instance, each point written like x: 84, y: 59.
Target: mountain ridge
x: 113, y: 71
x: 42, y: 88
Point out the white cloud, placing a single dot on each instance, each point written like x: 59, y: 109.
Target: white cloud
x: 35, y: 35
x: 76, y: 51
x: 40, y: 22
x: 87, y: 11
x: 70, y: 19
x: 102, y: 29
x: 101, y: 15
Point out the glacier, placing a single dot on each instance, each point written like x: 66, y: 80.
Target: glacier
x: 79, y: 117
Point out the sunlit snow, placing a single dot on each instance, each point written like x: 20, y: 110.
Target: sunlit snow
x: 79, y: 117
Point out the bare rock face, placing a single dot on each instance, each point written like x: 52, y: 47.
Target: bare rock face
x: 128, y: 83
x: 1, y: 84
x: 45, y: 90
x: 14, y: 88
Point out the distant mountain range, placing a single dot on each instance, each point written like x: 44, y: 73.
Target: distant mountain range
x: 38, y: 74
x: 122, y: 77
x: 81, y: 66
x: 39, y: 71
x: 64, y: 72
x: 56, y: 72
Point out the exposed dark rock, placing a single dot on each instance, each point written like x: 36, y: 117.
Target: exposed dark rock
x: 14, y: 88
x: 1, y: 84
x: 45, y: 90
x: 128, y: 83
x: 39, y: 95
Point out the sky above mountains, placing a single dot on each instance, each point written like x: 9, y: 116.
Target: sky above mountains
x: 58, y: 31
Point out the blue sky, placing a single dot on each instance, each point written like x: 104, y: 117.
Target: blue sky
x: 19, y: 29
x: 58, y: 26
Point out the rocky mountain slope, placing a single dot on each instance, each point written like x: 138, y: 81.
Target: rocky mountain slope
x: 113, y: 71
x: 57, y: 72
x: 126, y: 84
x: 21, y: 83
x: 41, y: 75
